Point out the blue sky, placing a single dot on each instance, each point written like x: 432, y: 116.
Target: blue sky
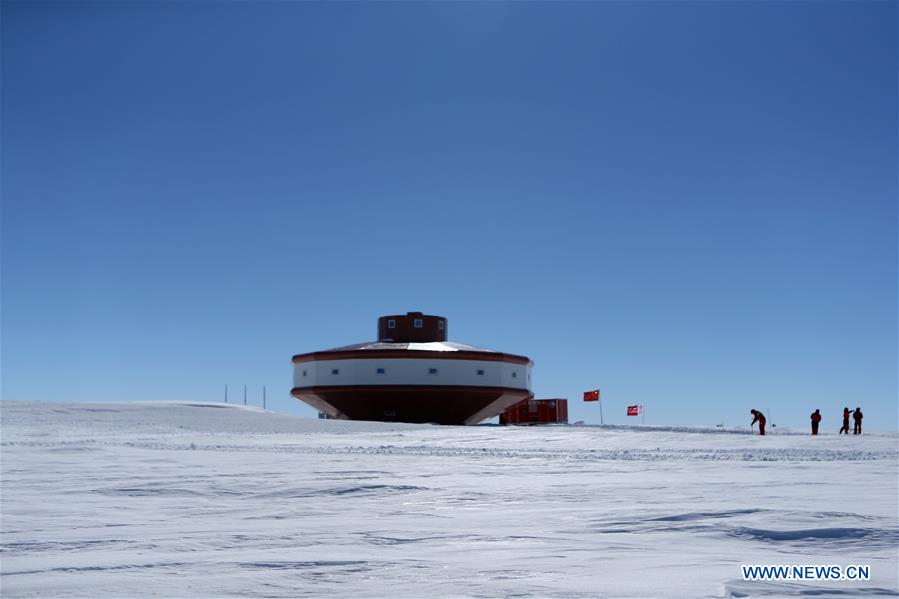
x: 690, y: 205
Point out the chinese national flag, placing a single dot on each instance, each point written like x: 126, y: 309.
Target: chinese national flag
x: 633, y: 410
x: 591, y: 395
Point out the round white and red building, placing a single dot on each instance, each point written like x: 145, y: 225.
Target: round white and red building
x: 412, y: 374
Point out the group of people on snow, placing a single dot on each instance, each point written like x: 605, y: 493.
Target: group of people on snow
x: 856, y: 417
x: 816, y: 419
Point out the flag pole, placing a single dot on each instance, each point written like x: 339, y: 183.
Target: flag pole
x: 643, y: 413
x: 599, y: 396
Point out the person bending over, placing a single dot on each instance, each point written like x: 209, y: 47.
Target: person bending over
x: 760, y: 418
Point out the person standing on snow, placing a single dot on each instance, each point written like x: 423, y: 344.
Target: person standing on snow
x: 760, y: 418
x: 816, y: 418
x: 857, y: 417
x: 845, y: 428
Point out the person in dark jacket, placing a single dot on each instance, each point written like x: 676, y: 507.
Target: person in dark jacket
x: 857, y: 417
x: 845, y: 428
x: 760, y: 418
x: 816, y: 418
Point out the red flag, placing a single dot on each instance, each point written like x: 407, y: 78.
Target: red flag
x: 591, y: 395
x: 634, y: 410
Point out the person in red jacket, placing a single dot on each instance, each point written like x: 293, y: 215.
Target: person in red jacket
x: 760, y: 418
x: 845, y: 428
x: 816, y: 418
x: 857, y: 417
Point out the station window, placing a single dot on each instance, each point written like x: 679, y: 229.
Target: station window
x: 480, y: 372
x: 432, y: 371
x: 304, y: 373
x: 335, y: 371
x: 417, y: 323
x: 379, y: 371
x: 391, y: 324
x: 514, y: 375
x: 441, y: 324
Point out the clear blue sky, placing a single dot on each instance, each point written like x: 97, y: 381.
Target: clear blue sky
x: 691, y: 205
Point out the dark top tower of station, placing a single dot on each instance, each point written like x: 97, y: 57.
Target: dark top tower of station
x: 413, y: 327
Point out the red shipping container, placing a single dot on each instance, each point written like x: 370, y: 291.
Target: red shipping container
x: 537, y: 411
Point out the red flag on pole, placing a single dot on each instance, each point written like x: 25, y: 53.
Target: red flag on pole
x: 591, y: 395
x: 635, y: 410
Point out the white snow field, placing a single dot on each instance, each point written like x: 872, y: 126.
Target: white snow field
x: 209, y: 500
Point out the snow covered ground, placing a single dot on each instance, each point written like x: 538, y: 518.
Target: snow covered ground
x: 208, y: 500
